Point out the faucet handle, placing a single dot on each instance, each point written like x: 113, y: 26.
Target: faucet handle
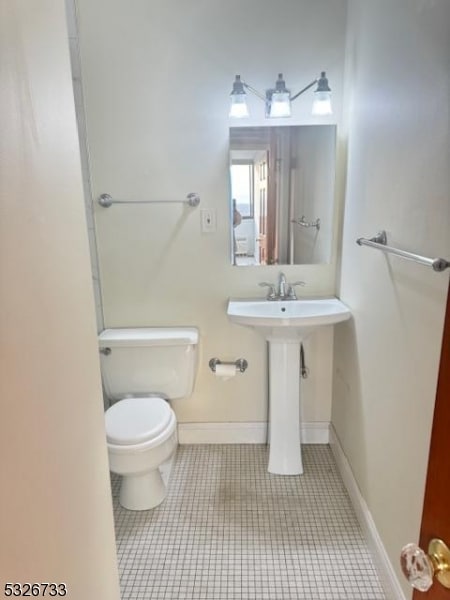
x: 271, y: 294
x: 291, y: 293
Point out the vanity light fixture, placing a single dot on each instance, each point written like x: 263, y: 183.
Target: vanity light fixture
x: 278, y: 99
x: 238, y: 106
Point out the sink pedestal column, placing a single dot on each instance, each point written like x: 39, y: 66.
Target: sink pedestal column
x: 285, y: 455
x: 284, y: 324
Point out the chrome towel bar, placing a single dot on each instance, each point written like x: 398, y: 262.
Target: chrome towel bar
x: 192, y: 199
x: 380, y: 242
x: 304, y: 223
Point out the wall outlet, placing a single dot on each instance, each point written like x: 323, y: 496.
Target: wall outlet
x: 208, y: 220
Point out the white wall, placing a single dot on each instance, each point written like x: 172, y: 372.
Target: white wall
x: 149, y: 139
x: 314, y: 184
x: 386, y: 359
x: 56, y: 515
x: 84, y: 154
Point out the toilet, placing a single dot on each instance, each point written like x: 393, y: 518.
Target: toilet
x: 142, y: 369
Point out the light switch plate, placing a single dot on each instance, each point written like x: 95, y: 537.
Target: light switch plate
x: 208, y: 220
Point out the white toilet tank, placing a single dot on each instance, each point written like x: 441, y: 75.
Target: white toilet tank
x: 149, y: 361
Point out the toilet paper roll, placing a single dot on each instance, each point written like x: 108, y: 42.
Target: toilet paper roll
x: 225, y: 371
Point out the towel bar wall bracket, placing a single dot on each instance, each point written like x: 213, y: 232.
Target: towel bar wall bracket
x: 379, y: 242
x: 192, y: 199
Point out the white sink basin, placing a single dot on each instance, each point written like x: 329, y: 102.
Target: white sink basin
x: 300, y: 315
x: 284, y: 324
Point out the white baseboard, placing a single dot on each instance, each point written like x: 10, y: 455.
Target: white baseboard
x: 386, y: 573
x: 244, y: 433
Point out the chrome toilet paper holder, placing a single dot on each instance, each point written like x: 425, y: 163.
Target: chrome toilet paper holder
x: 239, y: 363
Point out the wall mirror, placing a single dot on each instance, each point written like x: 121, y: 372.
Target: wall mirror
x: 282, y: 194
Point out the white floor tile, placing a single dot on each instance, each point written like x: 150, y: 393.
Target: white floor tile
x: 230, y: 530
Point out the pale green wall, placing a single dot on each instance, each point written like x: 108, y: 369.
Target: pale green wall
x: 56, y: 508
x: 386, y: 359
x: 148, y: 139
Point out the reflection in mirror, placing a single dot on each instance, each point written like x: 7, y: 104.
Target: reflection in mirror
x: 282, y: 194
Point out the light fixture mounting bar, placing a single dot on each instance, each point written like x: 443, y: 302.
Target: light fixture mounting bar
x: 304, y: 89
x: 254, y: 91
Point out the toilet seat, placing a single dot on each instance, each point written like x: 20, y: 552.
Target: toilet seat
x: 137, y: 420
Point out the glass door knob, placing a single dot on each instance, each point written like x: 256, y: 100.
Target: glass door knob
x: 419, y: 568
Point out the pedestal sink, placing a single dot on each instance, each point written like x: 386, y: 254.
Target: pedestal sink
x: 284, y: 324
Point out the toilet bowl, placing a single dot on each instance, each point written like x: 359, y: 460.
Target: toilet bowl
x: 141, y: 435
x: 141, y: 427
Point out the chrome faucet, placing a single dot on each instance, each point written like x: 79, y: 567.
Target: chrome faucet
x: 282, y: 286
x: 285, y: 291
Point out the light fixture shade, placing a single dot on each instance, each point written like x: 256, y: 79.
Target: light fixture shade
x: 322, y: 104
x: 280, y: 105
x: 238, y: 100
x: 322, y: 97
x: 278, y: 100
x: 238, y: 106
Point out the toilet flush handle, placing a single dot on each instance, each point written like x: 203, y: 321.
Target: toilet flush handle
x: 105, y: 351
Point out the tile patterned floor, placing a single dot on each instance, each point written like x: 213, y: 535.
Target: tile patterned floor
x: 228, y: 530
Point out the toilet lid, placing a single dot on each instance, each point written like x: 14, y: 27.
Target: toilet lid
x: 135, y: 420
